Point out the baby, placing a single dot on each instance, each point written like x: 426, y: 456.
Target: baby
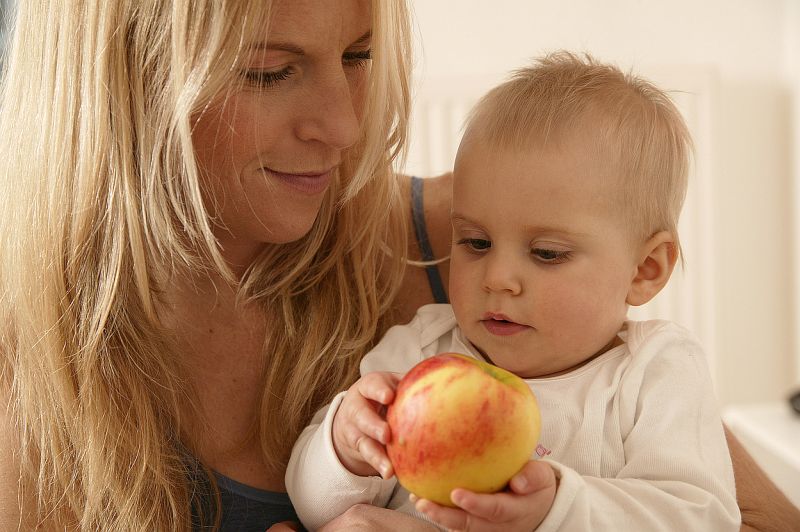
x: 568, y: 186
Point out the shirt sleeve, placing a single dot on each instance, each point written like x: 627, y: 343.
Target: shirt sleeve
x: 319, y: 485
x: 677, y: 473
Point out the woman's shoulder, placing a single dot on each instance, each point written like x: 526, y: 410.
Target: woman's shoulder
x: 437, y: 200
x: 437, y: 196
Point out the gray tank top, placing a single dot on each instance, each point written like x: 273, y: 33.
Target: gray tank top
x: 249, y: 509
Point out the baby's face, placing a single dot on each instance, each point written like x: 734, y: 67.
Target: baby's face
x: 541, y: 260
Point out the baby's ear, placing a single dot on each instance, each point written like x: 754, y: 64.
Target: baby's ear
x: 657, y: 259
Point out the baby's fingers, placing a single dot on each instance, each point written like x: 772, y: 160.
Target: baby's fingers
x: 372, y: 452
x: 493, y: 507
x: 450, y: 518
x: 378, y: 386
x: 534, y: 476
x: 370, y: 423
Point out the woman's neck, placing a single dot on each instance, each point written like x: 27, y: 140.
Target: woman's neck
x: 220, y: 342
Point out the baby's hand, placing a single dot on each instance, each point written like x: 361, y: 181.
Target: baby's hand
x: 522, y: 507
x: 360, y: 432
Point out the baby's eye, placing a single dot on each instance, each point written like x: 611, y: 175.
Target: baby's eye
x: 476, y: 245
x: 267, y: 78
x: 550, y: 256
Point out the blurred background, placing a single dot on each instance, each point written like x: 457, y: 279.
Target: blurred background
x: 733, y: 68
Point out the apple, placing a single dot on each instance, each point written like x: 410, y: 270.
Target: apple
x: 458, y: 422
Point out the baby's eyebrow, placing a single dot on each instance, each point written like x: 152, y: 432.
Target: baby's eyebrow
x: 554, y: 229
x: 456, y: 218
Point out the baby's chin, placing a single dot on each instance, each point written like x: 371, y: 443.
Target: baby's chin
x: 503, y: 362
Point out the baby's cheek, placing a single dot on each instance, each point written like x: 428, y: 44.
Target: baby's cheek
x: 593, y: 316
x: 570, y: 309
x: 461, y: 291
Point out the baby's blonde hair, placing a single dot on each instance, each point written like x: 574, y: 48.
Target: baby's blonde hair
x: 101, y: 205
x: 640, y: 134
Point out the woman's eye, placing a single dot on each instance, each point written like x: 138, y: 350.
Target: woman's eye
x: 550, y: 256
x: 357, y: 58
x: 267, y: 78
x: 270, y: 78
x: 477, y: 245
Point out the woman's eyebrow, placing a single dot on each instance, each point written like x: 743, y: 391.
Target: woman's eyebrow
x: 363, y: 39
x: 279, y: 45
x: 293, y: 48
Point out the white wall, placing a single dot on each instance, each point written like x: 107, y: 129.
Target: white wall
x: 746, y: 50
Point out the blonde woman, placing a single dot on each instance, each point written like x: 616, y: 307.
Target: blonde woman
x: 203, y: 237
x: 200, y: 236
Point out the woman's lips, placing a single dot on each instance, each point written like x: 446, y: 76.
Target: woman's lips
x: 310, y: 183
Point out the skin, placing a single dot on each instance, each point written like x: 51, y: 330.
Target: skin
x: 267, y: 150
x: 540, y: 250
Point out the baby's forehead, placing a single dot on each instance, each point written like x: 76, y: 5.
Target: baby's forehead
x: 601, y: 159
x: 571, y: 172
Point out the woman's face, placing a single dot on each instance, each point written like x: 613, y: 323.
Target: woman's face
x: 268, y: 151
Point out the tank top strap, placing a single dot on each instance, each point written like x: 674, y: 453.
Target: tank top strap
x: 421, y: 232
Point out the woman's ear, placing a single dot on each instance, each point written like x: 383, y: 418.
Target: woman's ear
x: 656, y: 262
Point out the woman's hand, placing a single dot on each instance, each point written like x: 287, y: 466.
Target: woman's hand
x: 523, y: 507
x: 360, y: 433
x: 362, y: 517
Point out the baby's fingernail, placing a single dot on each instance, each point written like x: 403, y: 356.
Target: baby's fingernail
x: 385, y: 470
x: 413, y: 498
x: 520, y: 482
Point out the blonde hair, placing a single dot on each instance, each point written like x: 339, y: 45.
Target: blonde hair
x: 637, y: 129
x: 102, y: 203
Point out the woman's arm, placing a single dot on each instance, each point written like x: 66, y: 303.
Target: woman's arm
x: 764, y: 508
x: 363, y: 517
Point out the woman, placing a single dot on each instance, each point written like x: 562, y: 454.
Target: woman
x: 204, y: 238
x: 195, y: 200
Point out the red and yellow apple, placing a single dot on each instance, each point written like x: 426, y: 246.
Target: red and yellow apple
x: 458, y: 422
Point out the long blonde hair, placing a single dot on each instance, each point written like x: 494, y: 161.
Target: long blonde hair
x: 101, y: 200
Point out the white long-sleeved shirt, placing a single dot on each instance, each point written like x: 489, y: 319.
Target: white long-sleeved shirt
x: 634, y: 435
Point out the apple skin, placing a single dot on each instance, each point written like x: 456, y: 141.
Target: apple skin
x: 458, y: 422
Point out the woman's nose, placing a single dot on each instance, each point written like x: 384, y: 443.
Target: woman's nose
x: 330, y: 116
x: 500, y: 276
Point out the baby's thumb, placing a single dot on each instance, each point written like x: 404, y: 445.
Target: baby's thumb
x: 533, y: 476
